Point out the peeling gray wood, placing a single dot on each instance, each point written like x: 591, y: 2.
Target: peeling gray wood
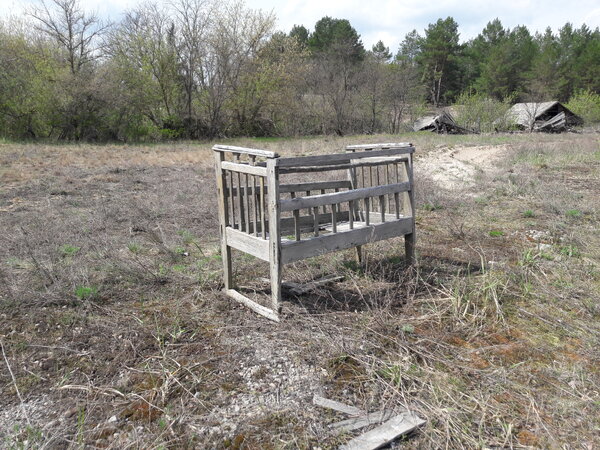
x: 362, y: 421
x: 386, y: 433
x: 338, y: 406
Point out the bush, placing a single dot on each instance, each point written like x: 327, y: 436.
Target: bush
x: 483, y: 114
x: 586, y: 104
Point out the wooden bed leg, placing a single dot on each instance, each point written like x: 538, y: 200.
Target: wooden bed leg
x: 409, y: 248
x: 359, y: 254
x: 274, y: 235
x: 227, y: 267
x: 224, y: 220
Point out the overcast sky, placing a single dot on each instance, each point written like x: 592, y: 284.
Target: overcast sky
x: 390, y: 20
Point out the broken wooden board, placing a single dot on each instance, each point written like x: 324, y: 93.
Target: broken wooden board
x: 360, y: 422
x: 338, y: 406
x: 305, y: 288
x: 386, y: 433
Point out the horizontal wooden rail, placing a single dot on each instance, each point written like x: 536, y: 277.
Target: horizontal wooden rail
x: 340, y: 197
x: 247, y: 243
x: 339, y: 158
x: 244, y: 168
x: 371, y: 162
x: 296, y: 250
x: 378, y: 146
x: 306, y: 223
x: 246, y: 151
x: 315, y: 186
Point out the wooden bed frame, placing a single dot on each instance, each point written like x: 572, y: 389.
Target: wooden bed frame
x: 285, y: 222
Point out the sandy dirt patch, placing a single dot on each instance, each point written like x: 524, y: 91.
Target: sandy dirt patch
x: 457, y: 167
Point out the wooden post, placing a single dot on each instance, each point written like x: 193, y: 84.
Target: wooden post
x: 353, y: 208
x: 223, y: 220
x: 274, y: 234
x: 410, y: 239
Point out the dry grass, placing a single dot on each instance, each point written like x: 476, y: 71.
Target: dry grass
x: 118, y: 337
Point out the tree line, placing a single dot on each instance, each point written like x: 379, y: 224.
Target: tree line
x: 205, y: 68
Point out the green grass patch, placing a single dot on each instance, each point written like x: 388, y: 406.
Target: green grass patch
x: 573, y: 213
x: 69, y: 250
x: 86, y: 292
x: 528, y: 213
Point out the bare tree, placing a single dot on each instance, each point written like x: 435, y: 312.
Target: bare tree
x: 193, y: 19
x: 75, y: 30
x: 236, y: 37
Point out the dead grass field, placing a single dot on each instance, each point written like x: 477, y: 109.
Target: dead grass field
x: 115, y: 333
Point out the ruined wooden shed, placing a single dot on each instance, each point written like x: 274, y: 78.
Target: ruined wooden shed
x: 545, y: 116
x: 441, y: 123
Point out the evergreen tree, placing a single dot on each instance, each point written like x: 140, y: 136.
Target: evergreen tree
x: 438, y: 60
x: 410, y: 48
x: 381, y: 52
x: 300, y: 33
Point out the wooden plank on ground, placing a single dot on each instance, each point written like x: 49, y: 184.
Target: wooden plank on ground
x: 378, y: 146
x: 257, y: 308
x: 356, y: 423
x: 386, y: 433
x: 338, y: 406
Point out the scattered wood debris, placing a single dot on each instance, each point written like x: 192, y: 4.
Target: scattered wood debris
x: 546, y: 116
x: 305, y: 288
x: 394, y: 426
x: 357, y: 423
x: 338, y: 406
x: 442, y: 123
x: 386, y: 433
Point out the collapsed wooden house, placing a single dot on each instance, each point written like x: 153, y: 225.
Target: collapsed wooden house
x: 442, y: 123
x: 545, y: 116
x: 363, y: 195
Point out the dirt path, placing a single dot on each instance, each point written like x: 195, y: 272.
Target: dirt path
x: 457, y: 167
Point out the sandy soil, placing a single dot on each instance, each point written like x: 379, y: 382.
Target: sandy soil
x: 456, y: 167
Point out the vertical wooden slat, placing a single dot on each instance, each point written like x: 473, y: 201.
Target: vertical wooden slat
x: 247, y: 206
x: 397, y: 171
x: 407, y: 200
x: 397, y: 204
x: 316, y: 220
x: 367, y: 211
x: 263, y: 221
x: 308, y: 211
x: 297, y: 234
x: 410, y: 239
x: 324, y: 206
x: 382, y: 207
x: 334, y: 218
x: 274, y: 234
x: 240, y: 195
x: 233, y: 222
x: 353, y: 185
x: 254, y: 202
x: 387, y: 181
x: 362, y: 170
x: 351, y: 213
x: 223, y: 220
